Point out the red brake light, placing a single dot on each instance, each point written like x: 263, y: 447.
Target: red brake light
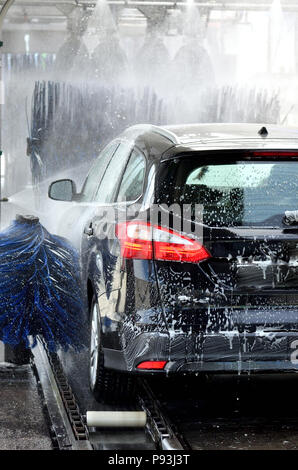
x: 141, y: 240
x: 275, y: 153
x: 152, y: 365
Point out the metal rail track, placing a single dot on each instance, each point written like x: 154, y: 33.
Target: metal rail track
x: 161, y: 428
x: 68, y: 429
x: 67, y: 424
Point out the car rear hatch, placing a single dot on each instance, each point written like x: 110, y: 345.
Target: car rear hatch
x: 243, y: 215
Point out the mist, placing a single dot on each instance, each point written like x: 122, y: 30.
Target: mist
x: 184, y: 64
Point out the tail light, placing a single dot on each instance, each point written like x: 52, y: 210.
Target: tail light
x: 275, y: 153
x: 141, y: 240
x: 157, y: 365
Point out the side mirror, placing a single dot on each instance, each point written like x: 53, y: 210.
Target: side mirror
x: 62, y: 190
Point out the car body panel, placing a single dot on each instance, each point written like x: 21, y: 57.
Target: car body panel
x: 230, y: 312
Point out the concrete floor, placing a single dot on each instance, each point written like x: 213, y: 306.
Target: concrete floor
x: 22, y: 422
x: 228, y: 412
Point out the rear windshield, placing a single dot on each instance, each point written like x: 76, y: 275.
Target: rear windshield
x: 241, y: 193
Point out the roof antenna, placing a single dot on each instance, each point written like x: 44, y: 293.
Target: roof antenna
x: 263, y: 132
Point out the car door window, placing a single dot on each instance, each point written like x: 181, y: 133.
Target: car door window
x: 109, y: 183
x: 97, y: 171
x: 132, y: 183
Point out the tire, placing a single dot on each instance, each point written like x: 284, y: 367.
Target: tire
x: 107, y: 386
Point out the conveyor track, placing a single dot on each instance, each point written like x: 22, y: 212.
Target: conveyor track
x: 162, y: 430
x: 68, y: 425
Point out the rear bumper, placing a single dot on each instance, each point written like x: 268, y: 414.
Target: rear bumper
x: 221, y: 352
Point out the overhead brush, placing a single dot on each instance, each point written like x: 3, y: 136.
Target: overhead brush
x: 39, y: 287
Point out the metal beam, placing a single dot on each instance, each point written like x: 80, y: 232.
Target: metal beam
x: 212, y: 5
x: 229, y: 5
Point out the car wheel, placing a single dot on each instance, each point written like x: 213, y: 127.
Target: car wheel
x: 107, y: 385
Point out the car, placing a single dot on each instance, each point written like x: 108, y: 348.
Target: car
x: 188, y: 237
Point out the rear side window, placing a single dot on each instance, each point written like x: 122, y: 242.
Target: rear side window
x: 132, y: 183
x: 242, y: 193
x: 97, y: 171
x: 109, y: 183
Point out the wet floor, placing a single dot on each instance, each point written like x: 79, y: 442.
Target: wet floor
x: 75, y: 366
x: 246, y: 412
x: 22, y: 421
x: 76, y: 369
x: 217, y: 412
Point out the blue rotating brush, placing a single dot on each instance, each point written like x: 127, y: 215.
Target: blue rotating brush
x: 39, y: 287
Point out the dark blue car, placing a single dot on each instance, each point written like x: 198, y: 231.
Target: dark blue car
x: 188, y: 238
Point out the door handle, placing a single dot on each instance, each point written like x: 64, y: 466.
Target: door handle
x: 89, y: 230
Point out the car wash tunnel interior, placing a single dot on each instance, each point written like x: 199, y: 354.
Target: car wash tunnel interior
x: 148, y: 226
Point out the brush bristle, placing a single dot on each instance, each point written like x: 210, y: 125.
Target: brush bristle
x: 39, y: 287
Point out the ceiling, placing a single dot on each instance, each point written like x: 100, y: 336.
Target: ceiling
x: 41, y: 12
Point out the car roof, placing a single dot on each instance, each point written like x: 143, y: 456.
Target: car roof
x: 229, y: 132
x: 219, y: 136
